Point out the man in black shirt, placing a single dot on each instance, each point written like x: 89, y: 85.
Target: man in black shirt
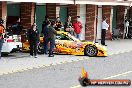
x: 46, y: 35
x: 45, y: 22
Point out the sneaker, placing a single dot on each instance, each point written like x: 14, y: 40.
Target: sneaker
x: 45, y: 53
x: 31, y: 56
x: 51, y: 55
x: 35, y: 57
x: 104, y: 45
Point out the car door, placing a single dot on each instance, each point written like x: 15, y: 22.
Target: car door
x: 64, y: 44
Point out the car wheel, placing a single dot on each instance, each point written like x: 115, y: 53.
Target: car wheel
x: 40, y: 48
x: 4, y: 54
x: 90, y: 50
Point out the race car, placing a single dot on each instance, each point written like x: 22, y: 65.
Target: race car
x: 10, y: 44
x: 65, y: 43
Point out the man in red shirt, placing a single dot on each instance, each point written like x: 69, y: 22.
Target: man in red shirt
x: 77, y: 27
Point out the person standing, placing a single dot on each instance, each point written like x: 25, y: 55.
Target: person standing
x: 105, y: 27
x: 33, y: 40
x: 51, y: 37
x: 2, y: 32
x: 126, y: 28
x: 45, y: 22
x: 58, y: 24
x: 68, y: 26
x: 17, y: 27
x: 45, y: 32
x: 77, y: 27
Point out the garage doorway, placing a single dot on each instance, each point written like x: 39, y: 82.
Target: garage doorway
x: 13, y: 13
x: 40, y: 16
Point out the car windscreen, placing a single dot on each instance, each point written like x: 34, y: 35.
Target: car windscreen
x: 73, y: 37
x: 63, y: 37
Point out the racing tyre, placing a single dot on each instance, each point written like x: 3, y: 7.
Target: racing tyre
x: 40, y: 48
x: 4, y: 54
x: 90, y: 50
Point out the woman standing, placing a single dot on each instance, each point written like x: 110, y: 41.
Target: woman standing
x: 33, y: 40
x: 68, y: 27
x: 58, y: 24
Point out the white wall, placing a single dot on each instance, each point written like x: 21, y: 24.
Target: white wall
x: 99, y: 21
x: 83, y: 20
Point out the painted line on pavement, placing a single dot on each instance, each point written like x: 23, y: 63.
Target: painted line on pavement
x: 109, y: 77
x: 120, y: 52
x: 121, y: 74
x: 40, y: 66
x: 78, y: 86
x: 54, y: 64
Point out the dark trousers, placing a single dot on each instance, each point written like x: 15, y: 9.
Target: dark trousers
x: 45, y: 45
x: 52, y: 44
x: 103, y: 34
x: 1, y: 43
x: 33, y: 48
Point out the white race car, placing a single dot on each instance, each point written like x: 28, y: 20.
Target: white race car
x: 10, y: 44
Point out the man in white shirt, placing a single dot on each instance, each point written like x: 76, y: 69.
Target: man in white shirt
x: 105, y: 27
x: 126, y: 29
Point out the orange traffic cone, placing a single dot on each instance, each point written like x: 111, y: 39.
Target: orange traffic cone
x: 84, y: 74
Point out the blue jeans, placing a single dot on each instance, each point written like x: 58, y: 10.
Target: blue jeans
x: 1, y: 43
x: 77, y: 36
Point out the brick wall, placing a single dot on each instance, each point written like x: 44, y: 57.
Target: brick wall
x: 73, y: 11
x: 3, y: 11
x: 120, y: 18
x: 51, y: 10
x: 0, y: 9
x: 106, y: 12
x: 26, y: 14
x: 90, y: 22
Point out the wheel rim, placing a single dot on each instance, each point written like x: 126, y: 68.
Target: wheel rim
x: 40, y: 48
x: 91, y: 51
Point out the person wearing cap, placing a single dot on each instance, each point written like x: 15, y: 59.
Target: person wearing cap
x: 68, y: 27
x: 58, y: 24
x: 105, y: 27
x: 77, y: 27
x: 33, y: 40
x: 2, y: 32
